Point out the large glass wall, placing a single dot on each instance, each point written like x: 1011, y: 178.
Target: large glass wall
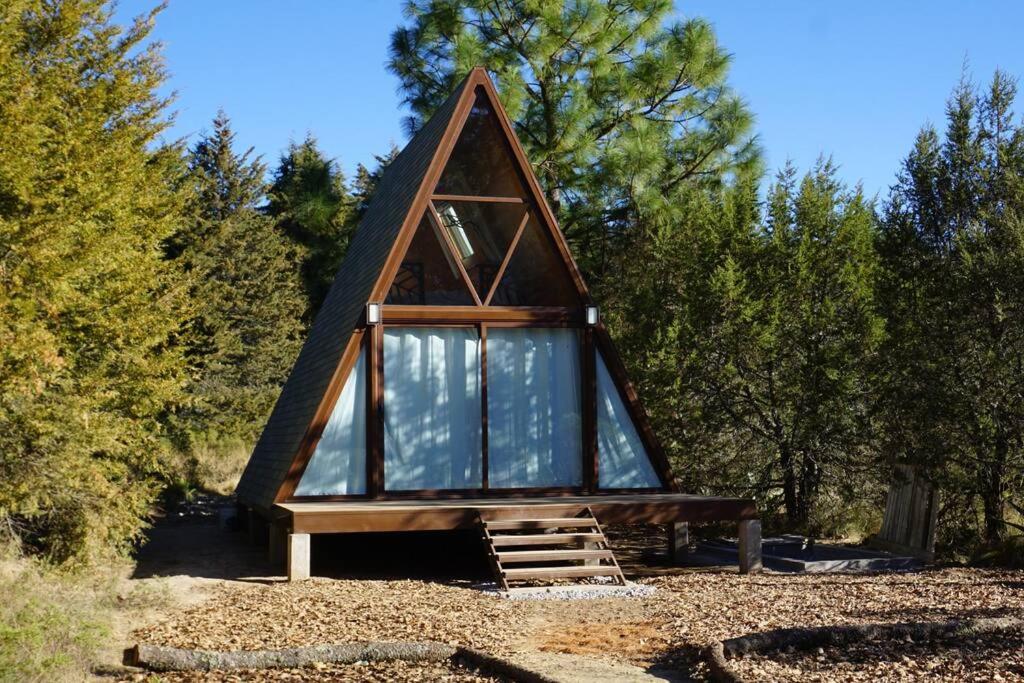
x: 432, y: 408
x: 622, y: 461
x: 533, y: 408
x: 338, y: 465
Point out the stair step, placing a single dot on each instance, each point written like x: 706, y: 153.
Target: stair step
x: 546, y: 539
x: 552, y: 523
x: 517, y: 556
x: 559, y: 572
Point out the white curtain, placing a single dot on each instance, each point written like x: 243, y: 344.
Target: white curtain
x: 622, y: 461
x: 432, y: 422
x: 338, y: 464
x: 533, y: 408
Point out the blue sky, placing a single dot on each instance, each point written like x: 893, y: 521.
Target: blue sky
x: 851, y: 80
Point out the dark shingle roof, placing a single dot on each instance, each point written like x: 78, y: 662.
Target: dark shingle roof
x: 341, y: 312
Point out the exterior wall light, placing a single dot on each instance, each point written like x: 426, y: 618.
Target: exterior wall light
x: 372, y: 314
x: 593, y: 315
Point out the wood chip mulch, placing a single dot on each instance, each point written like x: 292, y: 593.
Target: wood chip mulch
x: 996, y: 657
x: 666, y: 630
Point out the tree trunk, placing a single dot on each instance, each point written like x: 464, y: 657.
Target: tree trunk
x: 789, y: 485
x: 992, y: 490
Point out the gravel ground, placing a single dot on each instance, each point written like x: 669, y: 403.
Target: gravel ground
x: 666, y: 629
x: 994, y: 658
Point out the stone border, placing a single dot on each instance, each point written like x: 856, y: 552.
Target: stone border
x: 717, y: 654
x: 161, y: 658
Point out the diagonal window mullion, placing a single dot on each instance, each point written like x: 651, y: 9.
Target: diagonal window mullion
x: 508, y: 256
x: 452, y: 251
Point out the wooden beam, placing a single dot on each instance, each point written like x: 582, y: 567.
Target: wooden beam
x: 484, y: 459
x: 475, y: 198
x: 588, y: 368
x: 375, y: 412
x: 492, y: 315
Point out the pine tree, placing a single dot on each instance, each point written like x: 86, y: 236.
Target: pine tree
x: 88, y: 306
x: 246, y: 288
x: 618, y: 106
x: 310, y: 203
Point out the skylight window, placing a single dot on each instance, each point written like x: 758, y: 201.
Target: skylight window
x: 453, y: 225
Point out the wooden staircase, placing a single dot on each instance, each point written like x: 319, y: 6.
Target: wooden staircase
x: 544, y: 549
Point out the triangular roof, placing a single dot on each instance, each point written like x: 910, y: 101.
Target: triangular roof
x: 366, y: 274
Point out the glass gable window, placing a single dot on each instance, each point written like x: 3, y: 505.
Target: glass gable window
x: 338, y: 465
x: 533, y: 408
x: 622, y: 461
x: 481, y: 162
x: 428, y: 275
x: 432, y: 409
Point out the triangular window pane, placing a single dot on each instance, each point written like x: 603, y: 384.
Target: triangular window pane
x: 481, y: 233
x: 622, y: 460
x: 536, y: 274
x: 481, y: 162
x: 428, y: 275
x: 338, y: 465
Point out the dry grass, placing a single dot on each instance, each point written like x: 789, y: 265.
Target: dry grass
x: 56, y: 625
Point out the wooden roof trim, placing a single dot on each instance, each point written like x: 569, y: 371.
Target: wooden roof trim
x: 426, y: 189
x: 533, y: 186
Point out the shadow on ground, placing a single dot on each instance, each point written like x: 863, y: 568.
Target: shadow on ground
x: 188, y: 541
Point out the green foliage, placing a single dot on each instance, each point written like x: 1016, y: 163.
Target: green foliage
x: 753, y: 338
x: 311, y: 205
x: 245, y: 290
x: 619, y: 107
x: 88, y: 305
x: 953, y: 248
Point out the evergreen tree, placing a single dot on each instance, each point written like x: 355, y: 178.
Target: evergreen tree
x: 88, y: 305
x: 365, y: 183
x: 953, y: 249
x: 757, y: 356
x: 618, y: 106
x: 311, y: 205
x: 244, y: 281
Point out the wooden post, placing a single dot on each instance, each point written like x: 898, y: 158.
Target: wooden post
x: 276, y: 547
x: 298, y: 557
x: 750, y: 546
x: 678, y: 542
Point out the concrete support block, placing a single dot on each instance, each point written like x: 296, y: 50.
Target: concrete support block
x: 750, y: 546
x: 678, y: 542
x: 590, y: 545
x: 277, y: 545
x: 298, y: 556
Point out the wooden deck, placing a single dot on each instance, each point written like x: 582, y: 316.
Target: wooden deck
x: 448, y: 514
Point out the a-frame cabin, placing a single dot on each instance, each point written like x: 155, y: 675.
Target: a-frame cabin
x: 458, y: 376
